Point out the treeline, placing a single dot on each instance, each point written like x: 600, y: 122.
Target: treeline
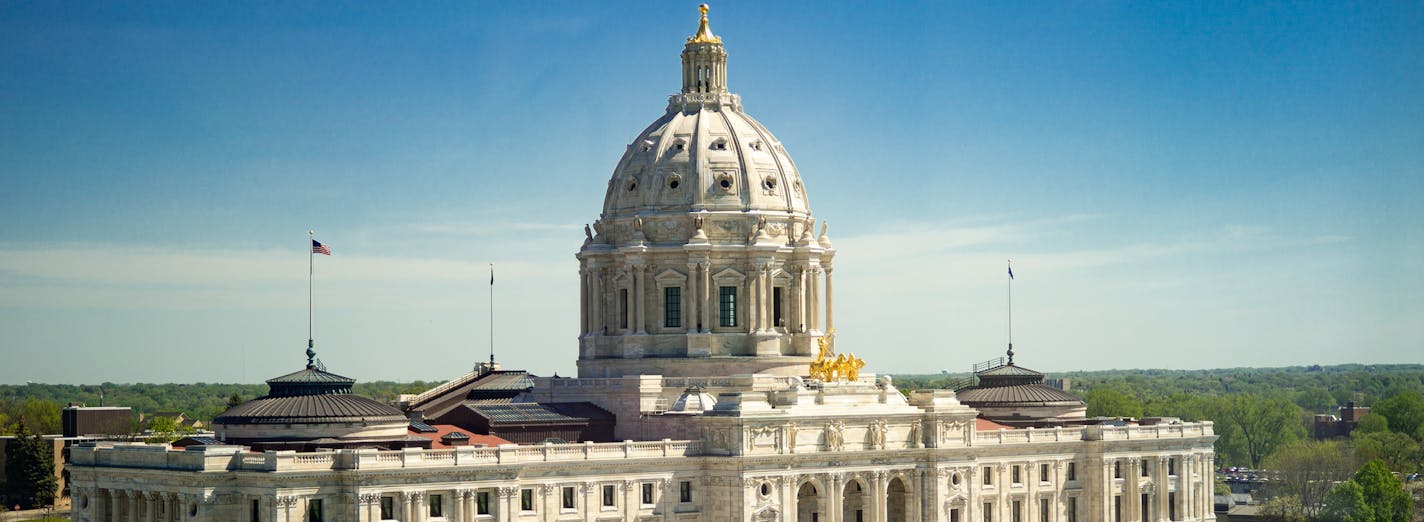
x: 39, y: 404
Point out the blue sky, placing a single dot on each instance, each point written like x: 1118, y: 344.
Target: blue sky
x: 1185, y: 185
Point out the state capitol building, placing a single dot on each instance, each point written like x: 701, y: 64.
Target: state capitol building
x: 710, y: 389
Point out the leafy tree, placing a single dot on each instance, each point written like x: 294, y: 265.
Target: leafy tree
x: 1315, y: 399
x: 40, y: 416
x: 1262, y: 424
x: 234, y: 400
x: 1374, y: 495
x: 1397, y: 451
x: 29, y: 470
x: 1112, y: 402
x: 1371, y: 423
x: 1405, y: 411
x: 1304, y: 471
x: 1346, y: 503
x: 1283, y: 509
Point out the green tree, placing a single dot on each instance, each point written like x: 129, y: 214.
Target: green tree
x: 1262, y: 424
x: 40, y: 416
x: 234, y: 400
x: 1374, y: 495
x: 29, y: 470
x: 1346, y: 503
x: 1112, y: 402
x: 1304, y: 471
x: 1371, y: 423
x: 1283, y: 509
x: 1405, y: 411
x: 1397, y: 451
x: 1315, y: 399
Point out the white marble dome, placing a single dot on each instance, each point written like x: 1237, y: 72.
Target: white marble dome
x: 705, y: 154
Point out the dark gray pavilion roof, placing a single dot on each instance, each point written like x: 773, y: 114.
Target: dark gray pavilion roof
x: 311, y: 375
x: 1022, y: 394
x: 307, y: 409
x: 311, y: 395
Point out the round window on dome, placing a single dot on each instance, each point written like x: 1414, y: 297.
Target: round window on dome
x: 725, y: 183
x: 632, y: 185
x: 674, y: 182
x: 769, y: 183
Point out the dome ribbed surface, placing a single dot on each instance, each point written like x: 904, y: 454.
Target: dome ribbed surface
x: 1018, y: 395
x: 303, y: 409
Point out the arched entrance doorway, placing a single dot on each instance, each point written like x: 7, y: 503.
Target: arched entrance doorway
x: 808, y: 504
x: 853, y: 505
x: 897, y: 501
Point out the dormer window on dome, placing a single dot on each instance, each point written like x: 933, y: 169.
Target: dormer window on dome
x: 719, y: 144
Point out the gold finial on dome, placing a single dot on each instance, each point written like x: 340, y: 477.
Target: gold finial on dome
x: 704, y: 33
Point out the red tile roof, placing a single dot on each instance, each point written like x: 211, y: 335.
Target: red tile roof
x: 444, y: 429
x: 988, y: 425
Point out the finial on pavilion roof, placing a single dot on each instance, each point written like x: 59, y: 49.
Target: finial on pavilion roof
x: 704, y: 33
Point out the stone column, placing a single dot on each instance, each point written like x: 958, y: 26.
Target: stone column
x: 692, y: 313
x: 707, y: 296
x: 835, y: 513
x: 815, y: 304
x: 505, y: 503
x: 754, y: 297
x: 879, y: 497
x: 642, y: 299
x: 830, y: 316
x: 596, y: 300
x: 132, y: 498
x: 112, y: 509
x: 917, y: 497
x: 587, y: 490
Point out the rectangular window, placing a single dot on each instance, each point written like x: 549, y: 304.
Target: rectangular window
x: 684, y: 491
x: 859, y: 516
x: 1072, y: 471
x: 388, y: 508
x: 1016, y: 478
x: 1043, y: 510
x: 256, y: 514
x: 1072, y: 509
x: 568, y: 498
x: 1043, y: 473
x: 314, y: 513
x: 1144, y: 506
x: 777, y: 319
x: 1117, y: 508
x: 672, y: 307
x: 1018, y: 511
x: 1145, y: 468
x: 1117, y: 469
x: 647, y: 493
x: 482, y: 503
x: 1172, y: 466
x: 526, y: 499
x: 623, y: 308
x: 727, y: 306
x: 954, y: 515
x: 1172, y: 505
x: 988, y: 512
x: 437, y: 506
x: 988, y: 476
x: 608, y: 495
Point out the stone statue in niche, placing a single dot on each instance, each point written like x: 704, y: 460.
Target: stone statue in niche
x: 587, y: 234
x: 914, y: 434
x: 834, y: 434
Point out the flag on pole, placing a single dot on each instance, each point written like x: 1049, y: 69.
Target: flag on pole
x: 1011, y: 271
x: 318, y: 248
x: 491, y: 274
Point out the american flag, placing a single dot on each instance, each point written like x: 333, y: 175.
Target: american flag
x: 318, y: 248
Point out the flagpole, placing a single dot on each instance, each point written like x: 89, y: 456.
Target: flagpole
x: 311, y: 271
x: 1011, y: 310
x: 491, y: 316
